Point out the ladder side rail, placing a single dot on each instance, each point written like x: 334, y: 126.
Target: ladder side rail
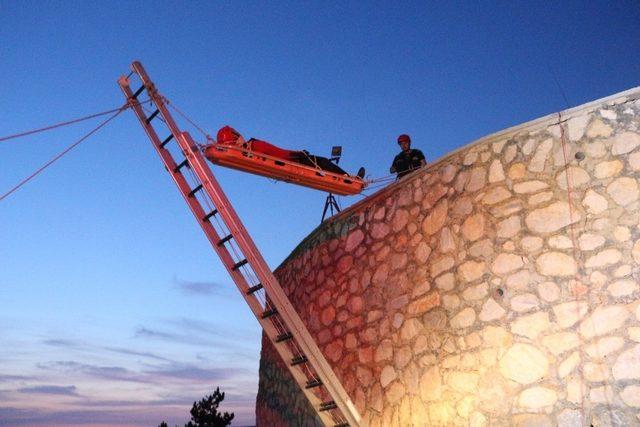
x: 214, y: 238
x: 234, y: 224
x: 218, y: 198
x: 268, y: 280
x: 285, y: 351
x: 230, y: 217
x: 159, y: 102
x: 196, y: 209
x: 267, y: 324
x: 264, y: 274
x: 156, y: 98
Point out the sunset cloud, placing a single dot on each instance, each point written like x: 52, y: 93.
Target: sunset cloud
x: 50, y: 389
x: 115, y: 373
x: 202, y: 288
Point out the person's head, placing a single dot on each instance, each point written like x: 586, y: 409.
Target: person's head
x: 229, y: 136
x: 404, y: 141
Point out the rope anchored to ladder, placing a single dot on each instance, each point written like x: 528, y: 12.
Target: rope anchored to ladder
x: 115, y: 112
x: 61, y: 124
x: 207, y: 137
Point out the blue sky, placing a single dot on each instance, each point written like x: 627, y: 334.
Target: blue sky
x: 114, y: 309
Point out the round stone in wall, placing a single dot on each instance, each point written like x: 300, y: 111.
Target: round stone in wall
x: 623, y: 191
x: 524, y: 364
x: 537, y: 397
x: 626, y: 365
x: 631, y: 396
x: 556, y: 264
x: 464, y: 319
x: 625, y: 143
x: 552, y: 218
x: 506, y: 263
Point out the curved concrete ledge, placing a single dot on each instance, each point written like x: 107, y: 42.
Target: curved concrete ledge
x: 499, y: 285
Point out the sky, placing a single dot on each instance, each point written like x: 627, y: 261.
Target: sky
x: 114, y: 309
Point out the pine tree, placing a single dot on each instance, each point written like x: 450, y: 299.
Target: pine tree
x: 205, y: 413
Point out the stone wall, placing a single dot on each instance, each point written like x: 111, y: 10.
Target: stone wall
x: 499, y: 286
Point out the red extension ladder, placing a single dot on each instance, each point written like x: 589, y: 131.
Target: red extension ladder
x: 226, y: 233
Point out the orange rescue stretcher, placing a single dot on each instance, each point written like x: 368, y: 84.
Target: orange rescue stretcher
x: 273, y: 167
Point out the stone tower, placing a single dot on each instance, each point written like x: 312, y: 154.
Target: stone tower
x: 498, y: 286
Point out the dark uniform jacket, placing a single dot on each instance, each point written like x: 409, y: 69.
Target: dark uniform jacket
x: 406, y: 162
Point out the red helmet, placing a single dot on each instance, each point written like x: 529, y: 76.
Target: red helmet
x: 404, y: 138
x: 227, y: 135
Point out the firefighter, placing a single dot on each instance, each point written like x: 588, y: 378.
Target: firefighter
x: 409, y: 158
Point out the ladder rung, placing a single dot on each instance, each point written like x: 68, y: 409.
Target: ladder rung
x: 166, y: 141
x: 152, y: 116
x: 254, y: 288
x: 195, y: 190
x: 224, y: 240
x: 184, y: 163
x: 299, y: 360
x: 284, y: 337
x: 239, y: 264
x: 327, y: 406
x: 314, y: 383
x: 138, y: 92
x: 269, y: 313
x: 209, y: 215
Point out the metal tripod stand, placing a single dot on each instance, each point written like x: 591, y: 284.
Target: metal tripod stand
x: 331, y: 204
